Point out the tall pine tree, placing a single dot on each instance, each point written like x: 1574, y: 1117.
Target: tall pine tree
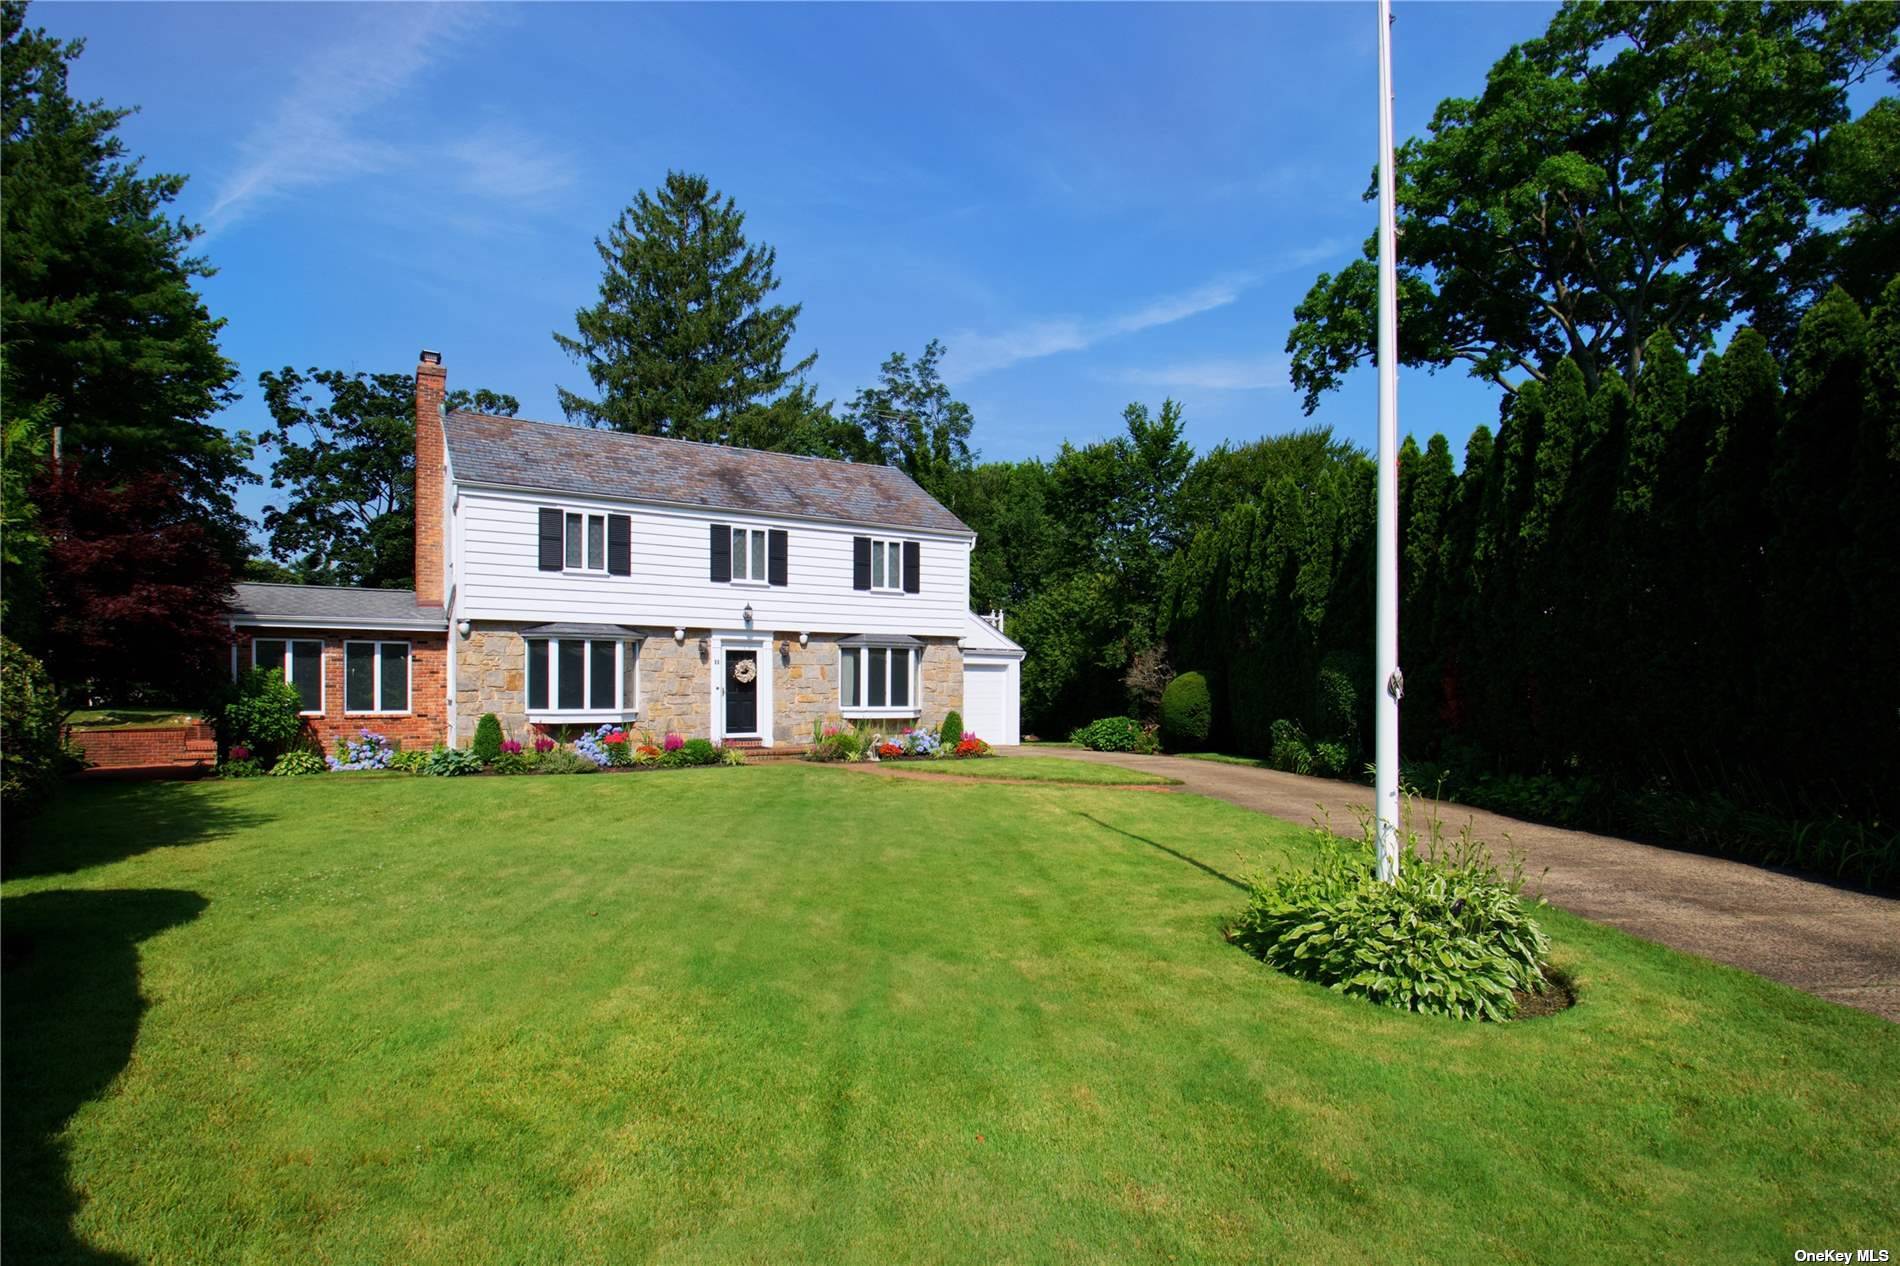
x: 682, y: 342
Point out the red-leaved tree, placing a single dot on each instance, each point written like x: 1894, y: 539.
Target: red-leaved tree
x: 138, y: 592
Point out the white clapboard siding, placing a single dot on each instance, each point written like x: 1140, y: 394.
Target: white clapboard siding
x: 499, y: 577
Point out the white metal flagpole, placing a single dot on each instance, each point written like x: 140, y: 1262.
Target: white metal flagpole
x: 1388, y: 684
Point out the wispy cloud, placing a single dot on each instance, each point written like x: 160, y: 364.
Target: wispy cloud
x: 970, y: 354
x: 312, y: 137
x: 1242, y: 373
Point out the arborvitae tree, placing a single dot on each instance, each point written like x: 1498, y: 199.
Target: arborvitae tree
x: 682, y: 342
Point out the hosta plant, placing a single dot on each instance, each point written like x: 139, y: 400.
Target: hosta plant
x: 1453, y: 936
x: 297, y: 764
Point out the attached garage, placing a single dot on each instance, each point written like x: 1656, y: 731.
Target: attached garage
x: 992, y: 684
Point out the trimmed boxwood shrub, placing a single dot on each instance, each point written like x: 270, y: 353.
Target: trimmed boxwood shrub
x: 487, y: 744
x: 1187, y: 713
x: 951, y: 731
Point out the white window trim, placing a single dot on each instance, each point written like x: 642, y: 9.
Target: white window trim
x: 323, y: 701
x: 884, y: 711
x: 893, y: 564
x: 376, y: 677
x: 606, y: 546
x: 749, y: 581
x: 552, y: 715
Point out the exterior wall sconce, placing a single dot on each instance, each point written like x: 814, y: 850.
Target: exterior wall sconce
x: 462, y: 628
x: 679, y: 635
x: 705, y: 648
x: 748, y: 615
x: 785, y: 649
x: 804, y: 639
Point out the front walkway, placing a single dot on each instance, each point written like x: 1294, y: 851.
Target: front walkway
x: 1835, y: 943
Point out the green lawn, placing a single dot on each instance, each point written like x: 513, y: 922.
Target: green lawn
x: 1041, y: 769
x: 127, y: 718
x: 795, y: 1014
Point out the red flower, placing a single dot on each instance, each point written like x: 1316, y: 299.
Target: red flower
x: 616, y: 737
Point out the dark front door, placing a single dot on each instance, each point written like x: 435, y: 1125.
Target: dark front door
x: 742, y: 692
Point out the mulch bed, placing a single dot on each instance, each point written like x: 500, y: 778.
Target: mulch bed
x: 1560, y: 996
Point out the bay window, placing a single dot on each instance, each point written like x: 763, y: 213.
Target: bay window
x: 877, y: 679
x: 376, y: 677
x: 300, y: 660
x: 582, y: 676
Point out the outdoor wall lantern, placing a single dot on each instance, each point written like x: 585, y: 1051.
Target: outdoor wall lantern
x: 705, y: 647
x: 804, y: 639
x: 748, y: 615
x: 462, y: 628
x: 679, y: 635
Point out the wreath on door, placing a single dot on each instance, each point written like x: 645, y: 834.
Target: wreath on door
x: 744, y: 670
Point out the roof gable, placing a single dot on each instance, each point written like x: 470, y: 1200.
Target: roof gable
x: 549, y: 457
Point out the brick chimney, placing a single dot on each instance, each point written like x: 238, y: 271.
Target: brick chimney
x: 431, y: 386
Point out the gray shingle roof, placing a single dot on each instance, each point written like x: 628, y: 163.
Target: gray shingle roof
x: 330, y: 606
x: 546, y: 456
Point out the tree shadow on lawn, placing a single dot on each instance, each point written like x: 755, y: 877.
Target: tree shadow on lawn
x: 98, y: 824
x: 70, y: 1009
x: 1174, y: 853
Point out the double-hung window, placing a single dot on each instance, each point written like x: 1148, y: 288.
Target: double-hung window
x: 877, y: 678
x: 887, y: 565
x: 748, y: 555
x: 301, y: 662
x: 582, y: 675
x: 376, y: 677
x: 585, y: 542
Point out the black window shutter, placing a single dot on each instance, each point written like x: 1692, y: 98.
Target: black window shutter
x: 913, y: 555
x: 550, y: 540
x: 721, y: 552
x: 775, y: 549
x: 860, y: 562
x: 620, y: 545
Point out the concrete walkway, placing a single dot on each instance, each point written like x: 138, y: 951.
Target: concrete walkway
x: 1835, y: 943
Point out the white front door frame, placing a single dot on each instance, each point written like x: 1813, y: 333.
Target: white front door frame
x: 741, y: 640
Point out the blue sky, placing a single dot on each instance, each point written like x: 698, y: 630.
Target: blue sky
x: 1088, y: 204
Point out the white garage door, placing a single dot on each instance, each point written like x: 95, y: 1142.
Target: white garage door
x: 985, y: 698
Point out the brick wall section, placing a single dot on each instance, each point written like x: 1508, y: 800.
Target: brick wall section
x: 184, y: 747
x: 422, y: 727
x: 431, y: 383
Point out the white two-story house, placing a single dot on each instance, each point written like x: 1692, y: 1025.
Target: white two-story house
x: 570, y: 577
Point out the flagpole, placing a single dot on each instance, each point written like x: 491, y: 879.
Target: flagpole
x: 1388, y: 684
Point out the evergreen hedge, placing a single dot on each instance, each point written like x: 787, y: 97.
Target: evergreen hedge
x: 1187, y: 713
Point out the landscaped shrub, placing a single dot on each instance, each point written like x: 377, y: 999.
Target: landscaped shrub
x: 1117, y: 734
x: 732, y: 756
x: 242, y: 767
x: 1187, y: 713
x: 1291, y: 750
x: 564, y: 760
x: 952, y: 728
x: 607, y: 745
x: 834, y: 742
x: 514, y: 762
x: 31, y: 753
x: 487, y: 743
x: 261, y: 712
x: 451, y: 762
x: 408, y: 761
x: 1451, y: 937
x: 297, y: 765
x: 690, y: 752
x: 370, y: 751
x: 1331, y: 759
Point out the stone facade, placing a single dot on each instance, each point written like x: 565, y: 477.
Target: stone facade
x: 676, y: 687
x: 423, y: 726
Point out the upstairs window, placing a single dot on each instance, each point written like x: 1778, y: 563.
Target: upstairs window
x: 586, y: 542
x: 880, y: 565
x: 749, y: 555
x: 300, y: 660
